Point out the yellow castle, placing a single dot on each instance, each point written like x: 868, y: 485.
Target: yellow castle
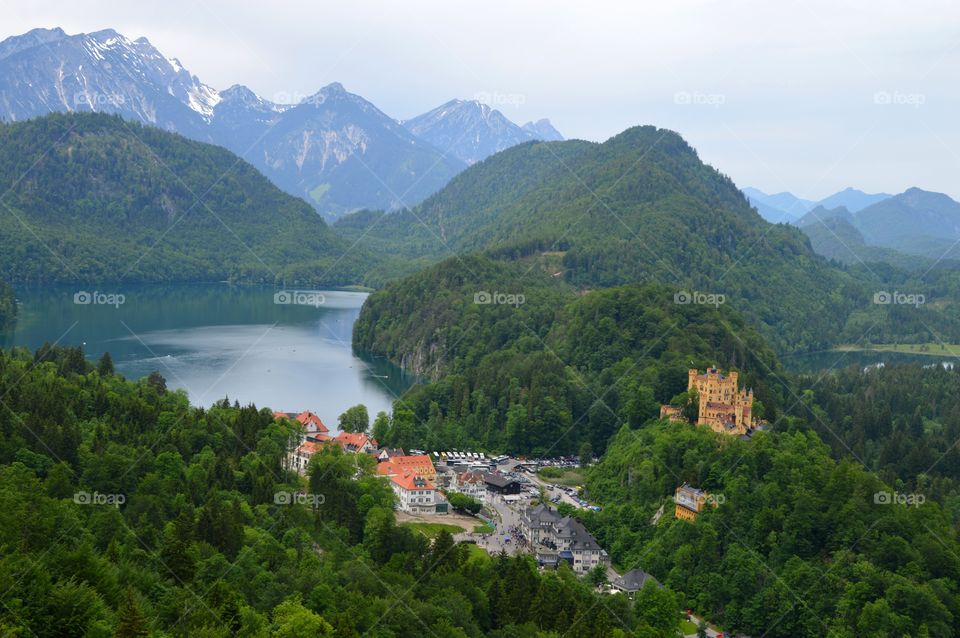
x: 723, y: 407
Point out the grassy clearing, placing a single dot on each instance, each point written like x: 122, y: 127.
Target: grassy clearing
x: 932, y: 349
x: 476, y: 552
x: 561, y: 476
x: 483, y: 529
x: 687, y: 628
x: 431, y: 530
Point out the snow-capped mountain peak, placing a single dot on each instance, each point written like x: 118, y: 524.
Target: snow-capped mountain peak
x: 473, y: 130
x: 335, y: 149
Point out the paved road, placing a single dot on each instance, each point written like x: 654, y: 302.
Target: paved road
x: 509, y: 520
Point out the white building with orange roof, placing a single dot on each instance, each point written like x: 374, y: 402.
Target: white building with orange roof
x: 417, y: 495
x: 299, y: 459
x: 472, y: 484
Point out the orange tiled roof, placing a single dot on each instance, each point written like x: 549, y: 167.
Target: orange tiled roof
x: 310, y: 447
x: 397, y: 464
x: 305, y: 418
x: 409, y: 481
x: 401, y: 464
x: 308, y: 418
x: 355, y: 439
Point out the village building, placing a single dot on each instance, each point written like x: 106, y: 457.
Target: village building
x: 500, y: 484
x: 299, y: 458
x: 556, y: 538
x: 536, y: 523
x: 632, y: 582
x: 417, y: 495
x: 472, y: 484
x: 578, y: 546
x: 689, y: 502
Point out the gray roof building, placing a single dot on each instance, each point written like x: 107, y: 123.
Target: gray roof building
x: 633, y: 581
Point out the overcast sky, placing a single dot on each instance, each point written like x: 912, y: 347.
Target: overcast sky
x: 809, y: 97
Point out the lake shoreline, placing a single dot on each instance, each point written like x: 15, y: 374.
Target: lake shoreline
x: 246, y: 342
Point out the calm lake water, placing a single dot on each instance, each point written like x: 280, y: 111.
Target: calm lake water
x: 217, y: 340
x: 820, y: 362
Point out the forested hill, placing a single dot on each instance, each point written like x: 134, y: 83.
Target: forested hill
x: 94, y: 198
x: 798, y: 545
x: 639, y: 207
x: 126, y: 512
x: 544, y: 373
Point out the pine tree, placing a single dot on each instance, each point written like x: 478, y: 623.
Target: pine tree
x: 105, y: 365
x: 130, y: 620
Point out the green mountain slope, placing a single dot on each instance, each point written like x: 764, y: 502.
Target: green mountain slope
x: 639, y: 207
x: 551, y: 371
x: 93, y: 198
x: 916, y: 222
x: 833, y: 234
x: 798, y: 545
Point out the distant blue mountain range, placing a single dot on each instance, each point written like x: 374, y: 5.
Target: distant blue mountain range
x: 853, y: 226
x: 787, y: 208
